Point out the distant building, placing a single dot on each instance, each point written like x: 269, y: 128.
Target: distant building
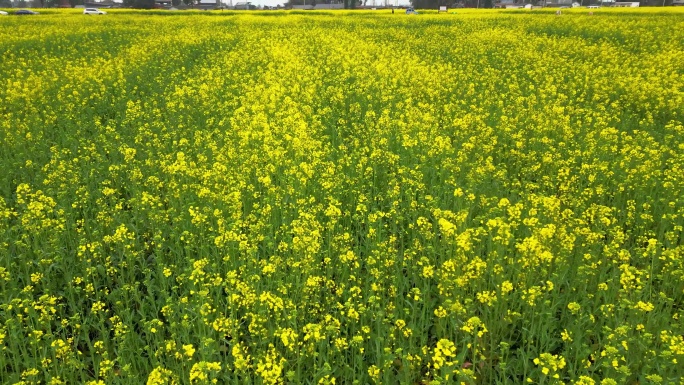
x: 207, y: 5
x: 558, y: 3
x: 244, y: 6
x: 99, y: 4
x: 329, y: 6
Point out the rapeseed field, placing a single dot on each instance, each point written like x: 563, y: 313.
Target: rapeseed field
x: 342, y: 198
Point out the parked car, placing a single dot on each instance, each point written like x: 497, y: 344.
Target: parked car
x: 93, y: 11
x: 25, y: 12
x: 3, y: 13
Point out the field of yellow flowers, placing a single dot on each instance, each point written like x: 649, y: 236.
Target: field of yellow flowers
x: 342, y: 198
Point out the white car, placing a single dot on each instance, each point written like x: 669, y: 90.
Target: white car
x: 93, y: 11
x: 3, y: 13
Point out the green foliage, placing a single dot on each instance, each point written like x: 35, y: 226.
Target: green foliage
x: 143, y: 4
x: 429, y: 4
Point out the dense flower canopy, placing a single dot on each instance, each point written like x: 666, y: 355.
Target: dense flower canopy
x: 350, y: 198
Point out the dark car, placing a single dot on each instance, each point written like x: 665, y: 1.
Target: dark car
x: 25, y: 12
